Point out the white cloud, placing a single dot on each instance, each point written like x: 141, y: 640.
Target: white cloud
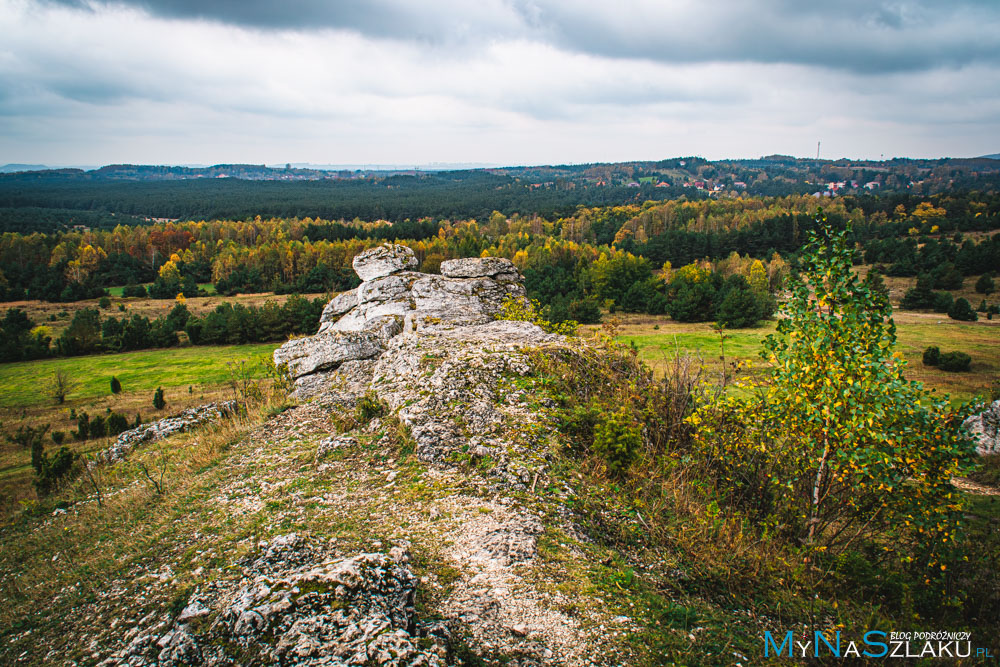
x: 116, y: 84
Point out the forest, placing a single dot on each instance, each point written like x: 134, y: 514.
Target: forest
x: 49, y: 200
x: 720, y: 260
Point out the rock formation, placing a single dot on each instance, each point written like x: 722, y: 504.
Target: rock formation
x: 453, y: 385
x: 393, y: 299
x: 132, y: 438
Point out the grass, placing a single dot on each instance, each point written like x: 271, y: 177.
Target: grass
x: 659, y: 339
x: 190, y: 377
x: 21, y: 383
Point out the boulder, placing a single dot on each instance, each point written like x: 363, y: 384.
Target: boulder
x: 294, y: 605
x: 326, y: 350
x: 339, y: 305
x: 477, y: 267
x: 383, y: 261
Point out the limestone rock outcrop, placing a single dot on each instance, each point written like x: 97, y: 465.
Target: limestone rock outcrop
x: 132, y: 438
x: 985, y: 429
x: 393, y: 299
x: 295, y: 605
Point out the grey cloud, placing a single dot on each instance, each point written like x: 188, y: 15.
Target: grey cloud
x: 862, y: 36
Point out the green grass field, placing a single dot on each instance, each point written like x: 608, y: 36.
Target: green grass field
x: 23, y: 384
x: 915, y: 332
x: 208, y: 288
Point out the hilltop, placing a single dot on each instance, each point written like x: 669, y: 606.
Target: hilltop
x: 440, y: 476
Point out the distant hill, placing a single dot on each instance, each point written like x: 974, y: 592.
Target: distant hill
x: 994, y: 156
x: 11, y: 168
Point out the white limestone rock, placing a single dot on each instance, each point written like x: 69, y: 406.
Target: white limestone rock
x: 327, y: 350
x: 477, y: 267
x: 338, y: 305
x: 383, y: 261
x: 985, y: 429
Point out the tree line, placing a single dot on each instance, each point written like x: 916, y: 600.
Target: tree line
x: 91, y: 332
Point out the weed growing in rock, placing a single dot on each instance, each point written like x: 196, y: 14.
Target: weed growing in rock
x: 522, y: 310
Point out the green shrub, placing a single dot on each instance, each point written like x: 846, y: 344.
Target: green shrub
x: 116, y: 386
x: 117, y: 423
x: 27, y: 436
x: 98, y: 427
x: 942, y: 302
x: 618, y: 440
x: 134, y: 290
x: 104, y: 302
x: 961, y: 310
x: 955, y: 362
x: 522, y: 310
x: 985, y: 284
x: 58, y: 437
x: 49, y: 473
x: 158, y: 401
x: 932, y: 356
x: 82, y: 431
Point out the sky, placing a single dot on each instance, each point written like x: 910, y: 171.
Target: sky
x: 505, y: 82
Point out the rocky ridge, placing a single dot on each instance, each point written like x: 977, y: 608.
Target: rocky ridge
x: 985, y: 429
x: 451, y: 379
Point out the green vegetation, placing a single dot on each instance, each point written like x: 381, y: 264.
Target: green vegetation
x: 819, y: 448
x: 139, y: 371
x: 158, y: 401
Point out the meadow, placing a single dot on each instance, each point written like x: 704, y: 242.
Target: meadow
x: 189, y: 377
x: 660, y: 339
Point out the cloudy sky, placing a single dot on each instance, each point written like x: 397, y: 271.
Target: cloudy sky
x: 494, y: 81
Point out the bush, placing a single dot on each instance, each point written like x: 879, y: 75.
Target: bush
x: 932, y: 356
x: 116, y: 386
x: 740, y: 309
x: 104, y: 302
x: 523, y: 310
x: 27, y: 436
x: 962, y: 310
x: 58, y: 437
x: 985, y: 284
x: 158, y: 401
x: 942, y: 302
x: 135, y: 291
x: 49, y: 473
x: 98, y: 427
x: 955, y: 362
x: 82, y: 431
x: 618, y: 440
x: 117, y: 423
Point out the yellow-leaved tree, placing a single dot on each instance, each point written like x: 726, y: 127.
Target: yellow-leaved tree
x: 836, y: 447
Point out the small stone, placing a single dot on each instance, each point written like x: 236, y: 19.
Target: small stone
x: 520, y: 630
